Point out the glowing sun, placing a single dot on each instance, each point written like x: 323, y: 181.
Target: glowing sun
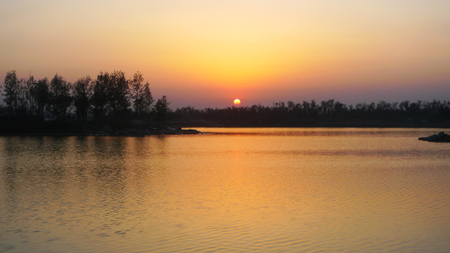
x: 237, y: 101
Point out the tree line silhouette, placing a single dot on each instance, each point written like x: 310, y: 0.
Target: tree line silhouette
x: 326, y: 113
x: 108, y: 98
x: 112, y: 98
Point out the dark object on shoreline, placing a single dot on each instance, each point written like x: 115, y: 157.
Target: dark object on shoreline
x: 440, y: 137
x: 142, y: 132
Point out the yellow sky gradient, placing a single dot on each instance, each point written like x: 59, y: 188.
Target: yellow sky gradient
x: 205, y: 53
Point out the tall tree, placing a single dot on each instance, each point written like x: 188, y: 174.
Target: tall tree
x: 99, y: 99
x: 32, y: 105
x: 22, y: 99
x: 11, y: 89
x: 142, y: 97
x: 59, y: 96
x: 118, y: 94
x: 39, y: 92
x: 161, y: 109
x: 82, y: 94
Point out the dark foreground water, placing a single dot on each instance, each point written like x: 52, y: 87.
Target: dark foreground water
x: 238, y: 190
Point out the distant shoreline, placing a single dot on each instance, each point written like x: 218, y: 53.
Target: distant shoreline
x: 190, y: 130
x: 316, y: 125
x: 122, y: 133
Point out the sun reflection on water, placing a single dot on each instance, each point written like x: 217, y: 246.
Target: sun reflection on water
x: 253, y: 190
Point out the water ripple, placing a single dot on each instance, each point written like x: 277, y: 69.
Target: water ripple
x: 271, y: 191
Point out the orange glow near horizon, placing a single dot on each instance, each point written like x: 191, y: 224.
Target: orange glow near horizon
x: 284, y: 50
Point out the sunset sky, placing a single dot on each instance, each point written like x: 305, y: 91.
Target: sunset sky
x: 206, y: 53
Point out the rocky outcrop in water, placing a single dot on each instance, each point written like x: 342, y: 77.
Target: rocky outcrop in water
x: 440, y: 137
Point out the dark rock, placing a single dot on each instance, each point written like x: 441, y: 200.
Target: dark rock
x: 440, y: 137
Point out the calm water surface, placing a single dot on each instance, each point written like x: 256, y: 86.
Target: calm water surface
x: 232, y: 190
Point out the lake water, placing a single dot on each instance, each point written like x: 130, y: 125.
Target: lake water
x: 231, y: 190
